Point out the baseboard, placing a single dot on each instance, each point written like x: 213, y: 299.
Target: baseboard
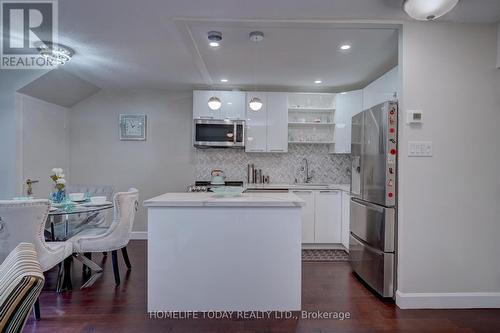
x: 139, y: 235
x: 447, y: 300
x: 332, y: 246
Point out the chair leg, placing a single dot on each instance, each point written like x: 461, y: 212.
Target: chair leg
x: 114, y: 257
x: 125, y: 257
x: 36, y: 309
x: 86, y: 269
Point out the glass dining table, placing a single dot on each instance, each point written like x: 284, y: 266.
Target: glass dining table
x: 66, y: 220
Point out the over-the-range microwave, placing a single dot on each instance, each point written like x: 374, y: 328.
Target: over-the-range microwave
x: 210, y: 133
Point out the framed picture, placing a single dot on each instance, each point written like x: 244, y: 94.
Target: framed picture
x: 133, y: 127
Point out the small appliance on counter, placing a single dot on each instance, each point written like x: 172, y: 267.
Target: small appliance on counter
x: 217, y: 177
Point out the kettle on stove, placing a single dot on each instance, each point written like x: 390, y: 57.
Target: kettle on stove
x: 217, y: 177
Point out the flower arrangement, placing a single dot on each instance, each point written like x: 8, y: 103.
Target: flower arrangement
x: 58, y: 178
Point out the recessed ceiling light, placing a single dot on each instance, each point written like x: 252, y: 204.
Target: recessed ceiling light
x: 343, y: 93
x: 318, y: 81
x: 214, y: 44
x: 224, y: 80
x: 345, y: 47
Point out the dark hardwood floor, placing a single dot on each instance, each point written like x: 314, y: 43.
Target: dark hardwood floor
x: 326, y: 287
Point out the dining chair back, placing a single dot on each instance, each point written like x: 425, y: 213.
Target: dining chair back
x: 21, y: 281
x: 24, y: 221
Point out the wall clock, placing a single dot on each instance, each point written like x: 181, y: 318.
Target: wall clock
x: 133, y: 127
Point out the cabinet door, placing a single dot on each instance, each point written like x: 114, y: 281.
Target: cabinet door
x: 307, y: 215
x: 256, y: 122
x: 277, y: 122
x: 328, y: 217
x: 233, y: 105
x: 346, y: 209
x: 200, y: 104
x: 348, y: 105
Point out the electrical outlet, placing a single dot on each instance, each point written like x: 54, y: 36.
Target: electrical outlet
x: 420, y: 148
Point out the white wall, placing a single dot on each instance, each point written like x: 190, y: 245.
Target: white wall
x: 10, y: 82
x: 449, y: 205
x: 385, y: 88
x: 44, y: 143
x: 162, y: 163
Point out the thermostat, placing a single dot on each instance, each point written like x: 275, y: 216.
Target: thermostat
x: 414, y: 117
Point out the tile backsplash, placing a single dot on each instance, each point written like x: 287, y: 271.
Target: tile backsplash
x: 281, y: 168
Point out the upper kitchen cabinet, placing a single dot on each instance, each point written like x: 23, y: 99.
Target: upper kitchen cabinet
x: 256, y: 124
x: 277, y: 122
x: 348, y: 104
x: 232, y: 105
x: 267, y: 128
x: 311, y: 118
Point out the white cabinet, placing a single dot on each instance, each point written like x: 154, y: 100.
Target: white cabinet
x: 348, y: 104
x: 267, y: 129
x: 346, y: 209
x: 328, y: 216
x: 256, y: 125
x: 233, y: 104
x: 385, y: 88
x: 307, y: 215
x: 277, y: 122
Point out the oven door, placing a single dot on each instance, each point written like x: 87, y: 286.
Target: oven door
x: 219, y: 133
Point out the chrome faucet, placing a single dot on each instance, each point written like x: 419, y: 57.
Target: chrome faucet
x: 307, y: 176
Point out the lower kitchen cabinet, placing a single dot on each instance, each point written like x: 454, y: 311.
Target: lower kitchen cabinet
x: 346, y: 210
x: 321, y: 216
x: 328, y: 216
x: 307, y: 215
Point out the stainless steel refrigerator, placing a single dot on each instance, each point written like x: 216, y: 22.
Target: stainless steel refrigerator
x: 372, y: 243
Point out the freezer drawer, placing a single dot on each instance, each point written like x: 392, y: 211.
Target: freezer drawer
x: 373, y: 224
x: 375, y: 267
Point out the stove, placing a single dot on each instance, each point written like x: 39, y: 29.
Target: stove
x: 205, y: 186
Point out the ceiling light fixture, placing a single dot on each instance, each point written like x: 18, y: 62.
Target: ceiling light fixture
x: 345, y: 47
x: 255, y: 104
x: 224, y: 80
x: 428, y: 10
x: 55, y: 54
x: 343, y: 93
x: 214, y: 38
x: 318, y: 81
x: 214, y: 103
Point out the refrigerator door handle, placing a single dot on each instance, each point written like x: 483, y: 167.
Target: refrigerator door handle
x: 367, y: 204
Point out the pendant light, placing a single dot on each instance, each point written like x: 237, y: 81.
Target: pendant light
x: 428, y: 10
x: 214, y: 103
x: 256, y: 103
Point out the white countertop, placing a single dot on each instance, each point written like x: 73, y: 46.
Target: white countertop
x: 204, y: 199
x: 309, y: 186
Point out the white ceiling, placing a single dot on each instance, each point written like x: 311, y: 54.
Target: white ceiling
x: 139, y: 44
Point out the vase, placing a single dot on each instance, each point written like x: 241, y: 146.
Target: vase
x: 59, y: 196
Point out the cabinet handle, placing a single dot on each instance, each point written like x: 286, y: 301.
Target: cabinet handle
x: 302, y: 191
x: 206, y: 117
x: 277, y: 150
x: 256, y: 150
x: 335, y: 191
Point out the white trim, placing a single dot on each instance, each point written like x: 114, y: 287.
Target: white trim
x: 139, y: 235
x: 447, y: 300
x: 324, y: 246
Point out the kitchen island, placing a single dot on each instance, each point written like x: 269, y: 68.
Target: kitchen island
x: 210, y: 253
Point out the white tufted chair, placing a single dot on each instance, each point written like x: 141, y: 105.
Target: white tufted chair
x: 114, y: 237
x: 24, y: 221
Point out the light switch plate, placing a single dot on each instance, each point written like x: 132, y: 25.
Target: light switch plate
x: 420, y: 148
